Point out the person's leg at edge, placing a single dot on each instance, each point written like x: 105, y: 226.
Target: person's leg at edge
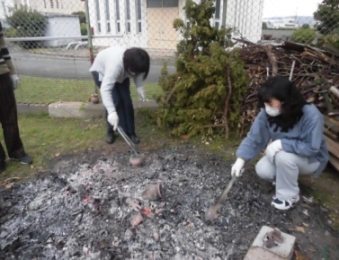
x: 9, y: 121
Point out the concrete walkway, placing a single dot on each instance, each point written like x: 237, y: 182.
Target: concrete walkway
x: 75, y: 109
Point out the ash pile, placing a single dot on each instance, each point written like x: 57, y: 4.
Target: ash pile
x: 107, y: 209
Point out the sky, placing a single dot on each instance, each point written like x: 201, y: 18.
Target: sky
x: 290, y: 7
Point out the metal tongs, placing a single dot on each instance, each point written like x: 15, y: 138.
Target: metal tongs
x: 128, y: 141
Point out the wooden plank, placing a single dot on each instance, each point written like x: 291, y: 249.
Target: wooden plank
x: 331, y: 120
x: 334, y: 161
x: 331, y: 125
x: 331, y: 135
x: 332, y: 146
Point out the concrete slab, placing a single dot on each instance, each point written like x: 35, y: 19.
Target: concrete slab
x: 149, y: 104
x: 67, y: 109
x: 94, y: 110
x: 76, y: 109
x: 22, y: 108
x: 38, y: 108
x: 283, y: 251
x: 25, y: 108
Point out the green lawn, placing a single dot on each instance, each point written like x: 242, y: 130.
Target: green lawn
x: 47, y: 90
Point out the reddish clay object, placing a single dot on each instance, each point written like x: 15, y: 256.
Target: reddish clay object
x: 95, y: 98
x: 136, y: 220
x: 137, y: 161
x: 153, y: 192
x: 146, y: 211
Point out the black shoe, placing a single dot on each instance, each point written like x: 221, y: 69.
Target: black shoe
x: 2, y: 166
x: 134, y: 138
x: 25, y: 159
x: 110, y: 137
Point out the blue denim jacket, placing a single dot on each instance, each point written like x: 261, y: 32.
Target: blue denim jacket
x: 305, y: 139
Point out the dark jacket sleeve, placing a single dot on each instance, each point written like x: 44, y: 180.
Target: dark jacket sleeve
x: 6, y: 64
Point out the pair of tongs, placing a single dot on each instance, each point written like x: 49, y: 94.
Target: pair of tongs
x: 128, y: 141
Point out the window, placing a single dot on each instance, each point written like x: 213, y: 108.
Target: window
x: 52, y: 3
x: 45, y: 4
x: 128, y: 16
x: 57, y: 4
x: 97, y: 6
x: 108, y: 17
x: 4, y: 8
x: 162, y: 3
x: 138, y: 13
x: 117, y: 16
x: 217, y: 14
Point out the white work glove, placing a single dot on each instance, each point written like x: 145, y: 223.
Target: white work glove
x: 238, y: 167
x: 113, y: 119
x: 272, y: 149
x: 141, y: 93
x: 15, y: 80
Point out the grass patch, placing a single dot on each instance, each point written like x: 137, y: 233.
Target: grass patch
x: 47, y: 90
x: 47, y: 138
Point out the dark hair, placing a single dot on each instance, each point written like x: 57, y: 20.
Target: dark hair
x: 282, y: 89
x: 136, y: 60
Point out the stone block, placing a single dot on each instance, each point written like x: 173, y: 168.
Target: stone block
x: 67, y: 110
x: 22, y: 108
x: 38, y: 108
x: 149, y: 104
x: 283, y: 251
x: 94, y: 110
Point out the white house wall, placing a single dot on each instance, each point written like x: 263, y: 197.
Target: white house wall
x: 5, y: 6
x: 245, y: 17
x: 62, y: 26
x: 103, y: 38
x: 56, y: 6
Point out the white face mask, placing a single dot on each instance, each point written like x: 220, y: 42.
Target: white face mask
x: 272, y: 111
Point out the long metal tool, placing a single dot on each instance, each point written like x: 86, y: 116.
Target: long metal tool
x: 128, y: 141
x: 212, y: 212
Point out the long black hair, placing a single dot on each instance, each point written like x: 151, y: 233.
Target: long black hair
x: 282, y: 89
x: 136, y: 60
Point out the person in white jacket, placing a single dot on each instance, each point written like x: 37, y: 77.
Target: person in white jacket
x: 112, y: 69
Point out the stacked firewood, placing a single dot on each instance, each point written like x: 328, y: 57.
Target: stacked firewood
x: 315, y: 73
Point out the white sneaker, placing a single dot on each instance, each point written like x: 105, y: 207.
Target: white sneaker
x: 284, y: 204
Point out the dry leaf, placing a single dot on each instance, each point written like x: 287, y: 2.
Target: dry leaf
x: 57, y: 154
x: 300, y: 229
x: 9, y: 185
x: 299, y: 256
x: 305, y: 224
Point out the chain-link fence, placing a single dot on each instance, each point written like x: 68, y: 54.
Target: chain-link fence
x: 53, y: 42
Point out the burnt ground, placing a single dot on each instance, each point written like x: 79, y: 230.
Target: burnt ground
x: 83, y: 209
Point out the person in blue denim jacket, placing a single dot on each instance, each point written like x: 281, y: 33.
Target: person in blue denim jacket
x: 297, y: 147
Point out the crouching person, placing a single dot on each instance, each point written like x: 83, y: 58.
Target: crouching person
x: 295, y: 128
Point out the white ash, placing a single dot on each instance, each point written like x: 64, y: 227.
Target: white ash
x: 84, y: 211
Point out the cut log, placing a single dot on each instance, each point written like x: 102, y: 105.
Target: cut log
x: 330, y: 134
x: 332, y: 146
x: 334, y: 161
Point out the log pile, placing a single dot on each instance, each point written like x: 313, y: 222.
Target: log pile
x: 315, y: 73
